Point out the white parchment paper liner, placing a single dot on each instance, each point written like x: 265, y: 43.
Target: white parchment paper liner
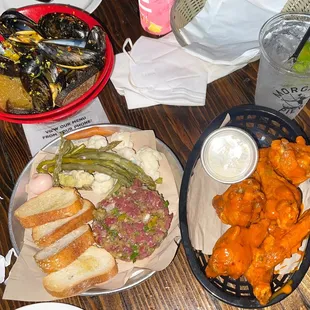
x: 205, y: 227
x: 25, y: 280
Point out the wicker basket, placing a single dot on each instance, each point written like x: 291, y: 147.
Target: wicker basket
x: 183, y: 11
x: 297, y: 6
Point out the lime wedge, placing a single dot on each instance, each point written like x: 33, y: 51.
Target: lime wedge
x: 302, y: 64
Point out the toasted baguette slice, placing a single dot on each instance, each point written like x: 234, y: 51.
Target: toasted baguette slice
x: 53, y: 204
x: 94, y: 266
x: 65, y: 250
x: 47, y: 234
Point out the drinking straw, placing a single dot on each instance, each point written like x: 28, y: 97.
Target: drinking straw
x: 300, y: 45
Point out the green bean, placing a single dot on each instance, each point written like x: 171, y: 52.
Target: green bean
x: 76, y: 150
x: 65, y: 147
x: 48, y: 162
x: 123, y: 162
x: 104, y: 163
x: 115, y: 188
x: 98, y: 168
x: 45, y: 163
x: 108, y: 147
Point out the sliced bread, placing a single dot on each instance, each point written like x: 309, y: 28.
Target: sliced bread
x: 94, y: 266
x: 65, y: 250
x: 47, y: 234
x: 53, y: 204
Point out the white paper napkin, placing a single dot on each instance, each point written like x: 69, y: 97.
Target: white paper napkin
x: 160, y: 71
x: 226, y: 31
x: 5, y: 261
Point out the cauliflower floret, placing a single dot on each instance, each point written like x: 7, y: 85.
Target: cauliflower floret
x: 96, y: 142
x: 149, y: 161
x: 103, y: 183
x: 76, y: 178
x: 127, y: 153
x: 124, y: 137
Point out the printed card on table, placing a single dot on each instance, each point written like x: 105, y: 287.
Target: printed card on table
x: 38, y: 135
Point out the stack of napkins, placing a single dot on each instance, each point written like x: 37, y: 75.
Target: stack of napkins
x: 160, y: 71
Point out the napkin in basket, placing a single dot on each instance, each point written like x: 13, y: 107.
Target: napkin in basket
x: 160, y: 71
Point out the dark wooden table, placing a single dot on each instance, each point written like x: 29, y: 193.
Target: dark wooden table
x: 179, y: 128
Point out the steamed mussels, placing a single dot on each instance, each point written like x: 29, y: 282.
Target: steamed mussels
x: 49, y: 63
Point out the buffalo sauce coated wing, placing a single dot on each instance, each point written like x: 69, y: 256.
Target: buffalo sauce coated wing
x: 233, y: 252
x: 241, y: 204
x: 291, y: 160
x: 283, y: 199
x: 272, y: 252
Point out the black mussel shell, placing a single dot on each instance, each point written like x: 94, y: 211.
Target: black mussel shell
x: 14, y: 14
x: 72, y: 77
x: 70, y: 56
x: 4, y: 30
x: 17, y: 47
x: 13, y: 21
x: 61, y: 25
x: 32, y: 64
x: 39, y: 91
x: 78, y: 82
x: 96, y: 40
x: 54, y: 74
x: 8, y: 67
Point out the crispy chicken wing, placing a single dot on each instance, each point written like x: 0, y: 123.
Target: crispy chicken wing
x: 291, y: 160
x: 241, y: 204
x: 233, y: 252
x: 272, y: 252
x: 283, y: 199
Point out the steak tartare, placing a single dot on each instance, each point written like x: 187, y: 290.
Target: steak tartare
x: 133, y: 223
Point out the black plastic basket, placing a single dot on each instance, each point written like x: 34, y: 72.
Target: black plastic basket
x: 264, y: 125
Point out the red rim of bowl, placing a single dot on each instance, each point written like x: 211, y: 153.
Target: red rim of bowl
x: 67, y: 113
x: 35, y: 12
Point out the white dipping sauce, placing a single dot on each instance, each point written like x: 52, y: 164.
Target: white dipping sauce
x: 229, y: 155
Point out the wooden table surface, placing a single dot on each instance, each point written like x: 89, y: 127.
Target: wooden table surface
x: 179, y: 127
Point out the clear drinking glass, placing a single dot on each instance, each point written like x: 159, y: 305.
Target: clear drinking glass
x: 279, y: 85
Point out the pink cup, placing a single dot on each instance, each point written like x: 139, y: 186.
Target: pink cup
x: 155, y: 16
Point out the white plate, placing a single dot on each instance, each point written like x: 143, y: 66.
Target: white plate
x: 87, y: 5
x: 49, y: 306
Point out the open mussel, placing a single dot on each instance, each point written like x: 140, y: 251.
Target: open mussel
x: 18, y: 27
x: 32, y: 64
x: 40, y: 92
x: 55, y: 74
x: 77, y: 53
x: 56, y: 77
x: 96, y: 40
x: 61, y: 25
x: 69, y: 56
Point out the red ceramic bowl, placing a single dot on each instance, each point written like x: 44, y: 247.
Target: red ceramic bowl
x: 57, y: 117
x: 35, y: 12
